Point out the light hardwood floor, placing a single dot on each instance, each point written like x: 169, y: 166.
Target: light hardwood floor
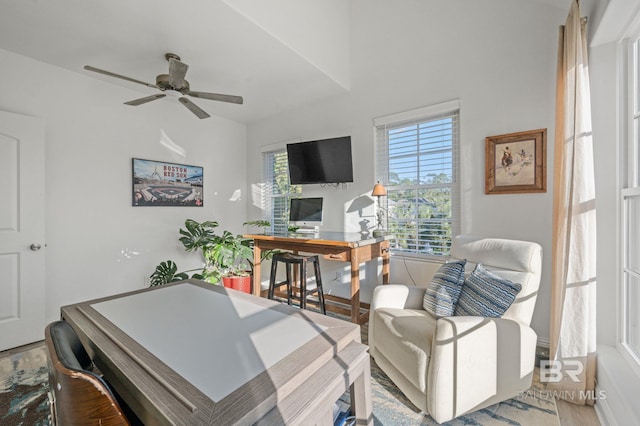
x: 576, y: 415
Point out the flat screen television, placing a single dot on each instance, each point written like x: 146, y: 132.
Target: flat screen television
x: 320, y: 161
x: 306, y: 212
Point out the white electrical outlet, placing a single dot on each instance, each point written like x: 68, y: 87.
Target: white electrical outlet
x: 338, y: 276
x: 147, y: 281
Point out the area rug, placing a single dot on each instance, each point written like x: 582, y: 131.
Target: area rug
x: 24, y: 386
x: 24, y: 382
x: 390, y: 407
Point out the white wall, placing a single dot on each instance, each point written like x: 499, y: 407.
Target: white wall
x: 497, y: 56
x: 97, y: 243
x: 316, y: 30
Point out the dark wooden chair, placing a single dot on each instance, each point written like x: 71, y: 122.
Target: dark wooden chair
x: 293, y: 260
x: 80, y: 396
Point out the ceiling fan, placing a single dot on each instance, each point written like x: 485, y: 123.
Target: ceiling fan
x: 173, y: 84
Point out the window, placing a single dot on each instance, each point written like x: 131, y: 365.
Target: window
x: 417, y: 161
x: 630, y: 196
x: 277, y: 191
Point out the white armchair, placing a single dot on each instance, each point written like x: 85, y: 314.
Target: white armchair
x: 454, y: 365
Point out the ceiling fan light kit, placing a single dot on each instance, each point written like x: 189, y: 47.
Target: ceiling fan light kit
x: 173, y: 85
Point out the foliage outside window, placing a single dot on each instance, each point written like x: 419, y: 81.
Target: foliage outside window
x: 417, y: 162
x: 277, y: 191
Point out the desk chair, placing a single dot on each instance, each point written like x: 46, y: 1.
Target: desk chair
x: 290, y: 260
x: 80, y: 396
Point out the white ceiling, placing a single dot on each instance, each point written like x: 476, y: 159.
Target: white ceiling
x: 226, y: 52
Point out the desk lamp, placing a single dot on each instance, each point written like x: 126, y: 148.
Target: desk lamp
x: 379, y: 191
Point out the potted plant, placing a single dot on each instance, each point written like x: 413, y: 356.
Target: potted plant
x: 225, y: 256
x: 196, y: 237
x: 228, y: 259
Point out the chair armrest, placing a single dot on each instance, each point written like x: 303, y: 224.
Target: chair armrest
x: 477, y: 361
x: 397, y: 296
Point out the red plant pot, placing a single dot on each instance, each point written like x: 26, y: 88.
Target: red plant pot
x: 238, y: 283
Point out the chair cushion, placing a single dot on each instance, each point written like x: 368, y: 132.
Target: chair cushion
x: 407, y: 335
x: 69, y: 348
x: 444, y: 289
x: 486, y: 294
x: 517, y: 261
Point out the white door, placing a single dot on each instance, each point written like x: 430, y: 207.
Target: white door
x: 22, y: 254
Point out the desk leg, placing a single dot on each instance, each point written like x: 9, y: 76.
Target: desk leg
x: 361, y: 396
x: 355, y: 287
x: 257, y: 280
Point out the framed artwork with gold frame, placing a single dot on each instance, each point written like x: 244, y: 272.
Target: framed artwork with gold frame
x: 516, y: 162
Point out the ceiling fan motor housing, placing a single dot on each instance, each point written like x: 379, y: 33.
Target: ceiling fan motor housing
x: 162, y: 81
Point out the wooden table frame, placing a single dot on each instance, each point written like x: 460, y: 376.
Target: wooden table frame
x: 344, y: 247
x: 298, y: 390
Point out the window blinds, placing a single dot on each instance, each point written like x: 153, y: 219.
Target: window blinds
x: 277, y: 191
x: 417, y: 161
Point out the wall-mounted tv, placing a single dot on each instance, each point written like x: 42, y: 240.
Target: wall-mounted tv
x: 320, y: 161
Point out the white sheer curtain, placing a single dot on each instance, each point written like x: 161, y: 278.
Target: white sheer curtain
x: 573, y: 293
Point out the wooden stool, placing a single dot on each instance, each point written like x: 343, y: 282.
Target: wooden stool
x: 299, y: 261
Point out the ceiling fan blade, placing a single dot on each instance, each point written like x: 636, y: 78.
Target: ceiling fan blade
x: 200, y: 113
x: 112, y: 74
x: 177, y: 71
x: 146, y: 99
x: 217, y: 97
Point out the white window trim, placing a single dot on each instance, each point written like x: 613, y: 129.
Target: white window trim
x: 618, y: 372
x: 277, y: 146
x: 418, y: 113
x: 414, y: 115
x: 628, y: 185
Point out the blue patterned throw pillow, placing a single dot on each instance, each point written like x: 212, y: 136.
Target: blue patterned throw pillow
x: 486, y: 294
x: 444, y: 289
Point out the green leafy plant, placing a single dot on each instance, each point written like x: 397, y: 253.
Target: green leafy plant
x: 223, y: 255
x: 198, y: 235
x: 167, y: 272
x: 230, y: 254
x: 264, y: 254
x: 264, y: 224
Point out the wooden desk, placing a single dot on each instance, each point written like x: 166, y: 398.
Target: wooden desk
x: 192, y: 353
x: 349, y: 247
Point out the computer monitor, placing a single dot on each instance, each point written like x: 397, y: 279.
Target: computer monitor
x: 306, y: 213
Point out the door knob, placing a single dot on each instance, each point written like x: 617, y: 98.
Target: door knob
x: 35, y: 246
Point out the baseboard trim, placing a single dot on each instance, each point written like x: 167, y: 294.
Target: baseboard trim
x: 603, y: 411
x: 617, y: 386
x: 542, y: 350
x: 544, y: 342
